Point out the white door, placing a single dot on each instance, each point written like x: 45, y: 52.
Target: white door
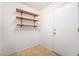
x: 66, y: 38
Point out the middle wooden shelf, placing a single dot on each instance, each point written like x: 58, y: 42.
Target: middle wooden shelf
x: 23, y: 18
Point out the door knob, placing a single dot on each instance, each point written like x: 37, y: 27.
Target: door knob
x: 54, y: 32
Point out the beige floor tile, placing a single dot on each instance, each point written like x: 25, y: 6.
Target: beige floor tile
x: 34, y: 51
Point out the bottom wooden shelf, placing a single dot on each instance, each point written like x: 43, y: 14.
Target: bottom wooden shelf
x: 27, y: 25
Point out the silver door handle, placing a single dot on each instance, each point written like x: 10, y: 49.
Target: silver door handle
x: 54, y: 32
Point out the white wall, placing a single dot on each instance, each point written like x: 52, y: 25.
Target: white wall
x: 14, y: 40
x: 66, y: 24
x: 0, y: 27
x: 46, y: 27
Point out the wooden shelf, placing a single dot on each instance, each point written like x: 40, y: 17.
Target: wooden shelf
x: 26, y: 25
x: 28, y: 14
x: 23, y: 18
x: 23, y: 11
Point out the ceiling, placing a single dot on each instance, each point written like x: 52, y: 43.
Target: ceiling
x: 41, y: 5
x: 37, y: 5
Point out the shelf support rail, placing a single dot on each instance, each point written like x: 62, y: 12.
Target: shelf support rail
x: 34, y: 21
x: 21, y: 19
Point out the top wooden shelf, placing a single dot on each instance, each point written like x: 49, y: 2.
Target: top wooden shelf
x: 30, y: 13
